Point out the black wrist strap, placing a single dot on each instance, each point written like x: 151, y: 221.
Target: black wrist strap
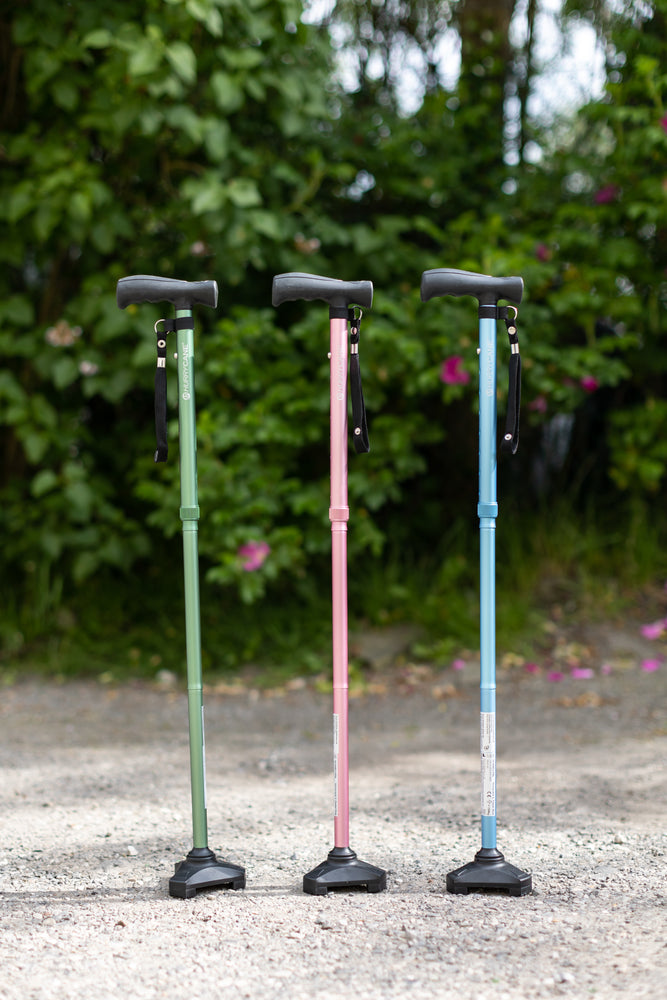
x: 161, y: 449
x: 510, y: 442
x: 359, y: 423
x: 168, y: 326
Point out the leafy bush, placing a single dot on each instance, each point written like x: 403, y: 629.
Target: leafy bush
x: 204, y: 138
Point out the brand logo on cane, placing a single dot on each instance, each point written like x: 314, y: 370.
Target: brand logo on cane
x: 489, y: 370
x: 185, y: 371
x: 340, y: 377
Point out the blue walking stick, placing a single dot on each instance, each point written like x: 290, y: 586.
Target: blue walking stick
x: 489, y: 870
x: 200, y: 869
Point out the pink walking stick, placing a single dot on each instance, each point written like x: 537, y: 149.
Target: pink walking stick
x: 342, y: 868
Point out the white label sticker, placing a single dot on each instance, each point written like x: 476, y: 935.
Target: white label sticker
x: 487, y: 732
x: 488, y: 758
x: 336, y: 743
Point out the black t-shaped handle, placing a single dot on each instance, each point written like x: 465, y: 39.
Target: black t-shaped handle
x: 338, y: 294
x: 485, y: 288
x: 139, y: 288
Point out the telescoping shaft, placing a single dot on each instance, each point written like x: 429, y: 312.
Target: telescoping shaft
x: 200, y: 869
x: 489, y: 870
x: 342, y: 868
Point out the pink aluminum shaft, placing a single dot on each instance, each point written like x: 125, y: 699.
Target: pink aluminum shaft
x: 338, y: 514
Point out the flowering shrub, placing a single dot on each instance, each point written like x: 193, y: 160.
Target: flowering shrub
x: 253, y: 555
x: 452, y: 371
x: 150, y: 139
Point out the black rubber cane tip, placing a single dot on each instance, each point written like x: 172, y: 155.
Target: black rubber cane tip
x: 344, y: 870
x: 341, y: 855
x: 490, y: 855
x: 489, y: 872
x: 201, y: 855
x: 202, y: 870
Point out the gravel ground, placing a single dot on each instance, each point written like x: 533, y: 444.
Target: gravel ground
x: 95, y: 812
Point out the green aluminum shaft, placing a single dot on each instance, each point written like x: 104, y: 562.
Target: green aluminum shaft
x: 189, y: 513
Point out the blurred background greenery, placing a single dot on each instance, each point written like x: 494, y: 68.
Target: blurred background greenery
x: 236, y: 139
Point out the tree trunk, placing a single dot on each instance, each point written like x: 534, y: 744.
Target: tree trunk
x: 486, y: 64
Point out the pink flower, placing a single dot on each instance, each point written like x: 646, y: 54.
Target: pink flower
x: 655, y: 630
x: 458, y: 664
x: 253, y: 554
x: 554, y: 676
x: 452, y: 372
x: 663, y: 122
x: 542, y: 252
x: 606, y: 194
x: 531, y: 668
x: 539, y: 404
x: 589, y: 383
x: 650, y: 666
x: 605, y: 669
x: 581, y: 673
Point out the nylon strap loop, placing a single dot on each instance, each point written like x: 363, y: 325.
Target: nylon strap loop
x: 359, y: 423
x: 168, y: 326
x: 180, y: 323
x: 510, y: 442
x: 161, y: 449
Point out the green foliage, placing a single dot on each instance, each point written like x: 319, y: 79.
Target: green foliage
x: 206, y: 139
x: 639, y: 446
x: 157, y: 137
x: 598, y: 212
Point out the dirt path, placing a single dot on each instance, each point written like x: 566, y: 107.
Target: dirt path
x: 94, y: 811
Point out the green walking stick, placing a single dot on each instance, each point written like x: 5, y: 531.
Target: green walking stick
x: 200, y: 869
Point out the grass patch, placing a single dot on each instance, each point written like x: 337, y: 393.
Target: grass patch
x: 551, y: 566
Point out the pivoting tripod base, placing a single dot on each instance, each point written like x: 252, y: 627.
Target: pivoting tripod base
x: 344, y: 870
x: 202, y: 870
x: 489, y: 871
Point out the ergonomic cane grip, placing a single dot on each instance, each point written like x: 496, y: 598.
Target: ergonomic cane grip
x: 139, y: 288
x: 337, y: 293
x: 485, y: 288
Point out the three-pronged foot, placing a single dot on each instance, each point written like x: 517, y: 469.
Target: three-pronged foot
x: 344, y: 870
x: 202, y: 870
x: 489, y: 871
